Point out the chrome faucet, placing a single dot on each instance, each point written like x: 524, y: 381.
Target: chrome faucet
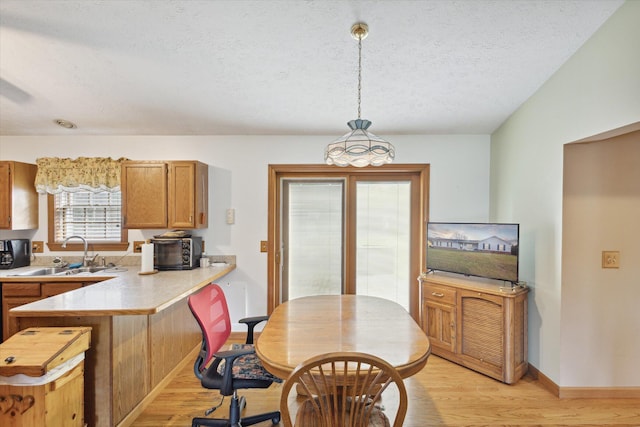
x: 85, y: 258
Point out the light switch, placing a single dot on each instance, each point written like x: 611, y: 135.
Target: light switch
x: 37, y: 247
x: 231, y: 216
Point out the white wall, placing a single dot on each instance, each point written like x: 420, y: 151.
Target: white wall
x: 601, y: 212
x: 598, y: 89
x: 238, y: 168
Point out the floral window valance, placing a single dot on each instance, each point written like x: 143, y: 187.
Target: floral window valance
x: 95, y: 174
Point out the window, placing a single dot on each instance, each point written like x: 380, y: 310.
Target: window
x: 96, y: 216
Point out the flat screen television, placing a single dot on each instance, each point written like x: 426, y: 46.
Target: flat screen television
x: 474, y: 249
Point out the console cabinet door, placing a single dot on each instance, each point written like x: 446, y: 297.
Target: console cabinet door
x: 439, y: 316
x: 440, y: 325
x: 144, y: 195
x: 481, y: 335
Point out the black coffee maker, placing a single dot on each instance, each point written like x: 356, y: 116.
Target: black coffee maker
x: 15, y: 253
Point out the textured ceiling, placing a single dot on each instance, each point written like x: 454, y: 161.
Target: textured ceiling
x: 161, y: 67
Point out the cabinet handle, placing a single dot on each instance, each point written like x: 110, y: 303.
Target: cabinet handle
x: 437, y: 294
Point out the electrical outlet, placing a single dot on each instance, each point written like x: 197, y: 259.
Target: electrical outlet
x: 263, y: 246
x: 137, y: 246
x: 37, y: 247
x: 610, y: 259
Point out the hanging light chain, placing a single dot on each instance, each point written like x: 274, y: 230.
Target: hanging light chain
x: 359, y: 74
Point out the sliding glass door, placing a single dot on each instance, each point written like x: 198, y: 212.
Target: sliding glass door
x: 383, y: 238
x: 314, y: 240
x: 346, y: 230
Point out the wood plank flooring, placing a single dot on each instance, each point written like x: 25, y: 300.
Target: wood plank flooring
x: 442, y: 394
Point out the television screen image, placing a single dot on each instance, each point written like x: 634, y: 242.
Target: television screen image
x: 474, y: 249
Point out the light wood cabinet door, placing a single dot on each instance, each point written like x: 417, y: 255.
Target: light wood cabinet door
x: 10, y: 323
x: 481, y: 339
x: 144, y: 195
x: 5, y: 195
x: 439, y: 316
x: 440, y: 325
x: 18, y: 197
x: 188, y: 199
x: 14, y: 295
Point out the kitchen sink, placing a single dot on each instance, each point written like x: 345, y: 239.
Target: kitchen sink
x: 43, y: 272
x: 61, y: 271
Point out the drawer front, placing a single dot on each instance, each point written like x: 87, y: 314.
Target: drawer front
x: 440, y: 294
x: 31, y: 289
x: 55, y: 288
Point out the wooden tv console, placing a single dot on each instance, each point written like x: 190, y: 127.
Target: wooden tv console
x: 478, y: 323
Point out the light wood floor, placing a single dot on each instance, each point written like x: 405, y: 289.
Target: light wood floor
x: 442, y: 394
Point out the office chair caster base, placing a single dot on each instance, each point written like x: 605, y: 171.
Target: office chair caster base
x: 274, y: 417
x: 236, y: 406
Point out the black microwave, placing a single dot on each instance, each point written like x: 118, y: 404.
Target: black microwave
x: 176, y: 253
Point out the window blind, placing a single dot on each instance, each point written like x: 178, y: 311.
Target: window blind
x: 94, y: 216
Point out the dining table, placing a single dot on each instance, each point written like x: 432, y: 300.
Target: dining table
x: 301, y: 328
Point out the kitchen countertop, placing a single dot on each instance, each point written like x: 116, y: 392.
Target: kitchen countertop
x: 119, y: 293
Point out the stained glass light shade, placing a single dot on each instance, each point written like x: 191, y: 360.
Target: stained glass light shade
x: 359, y: 147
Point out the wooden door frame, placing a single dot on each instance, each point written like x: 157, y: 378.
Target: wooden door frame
x: 419, y: 220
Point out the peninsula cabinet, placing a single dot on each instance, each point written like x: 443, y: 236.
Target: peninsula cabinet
x: 164, y: 194
x: 477, y: 323
x: 18, y: 197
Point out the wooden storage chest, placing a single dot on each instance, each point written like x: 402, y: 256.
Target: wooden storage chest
x: 42, y: 377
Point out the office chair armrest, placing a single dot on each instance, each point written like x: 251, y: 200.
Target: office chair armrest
x: 229, y: 356
x: 251, y: 323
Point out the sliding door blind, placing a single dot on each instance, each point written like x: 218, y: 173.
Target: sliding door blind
x: 313, y: 242
x: 94, y: 216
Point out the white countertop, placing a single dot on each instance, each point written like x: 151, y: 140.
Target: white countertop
x: 120, y: 293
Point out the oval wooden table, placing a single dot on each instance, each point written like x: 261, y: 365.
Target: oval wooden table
x: 305, y: 327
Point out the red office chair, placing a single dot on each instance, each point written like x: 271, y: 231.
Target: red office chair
x: 229, y: 370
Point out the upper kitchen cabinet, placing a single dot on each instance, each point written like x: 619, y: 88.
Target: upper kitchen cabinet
x: 144, y: 194
x: 18, y: 196
x: 172, y: 194
x: 188, y: 194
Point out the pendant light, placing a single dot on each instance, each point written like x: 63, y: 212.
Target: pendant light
x: 359, y: 147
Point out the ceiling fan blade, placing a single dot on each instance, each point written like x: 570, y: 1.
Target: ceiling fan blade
x: 13, y: 92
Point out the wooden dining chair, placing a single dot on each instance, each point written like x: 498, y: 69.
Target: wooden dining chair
x: 341, y: 389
